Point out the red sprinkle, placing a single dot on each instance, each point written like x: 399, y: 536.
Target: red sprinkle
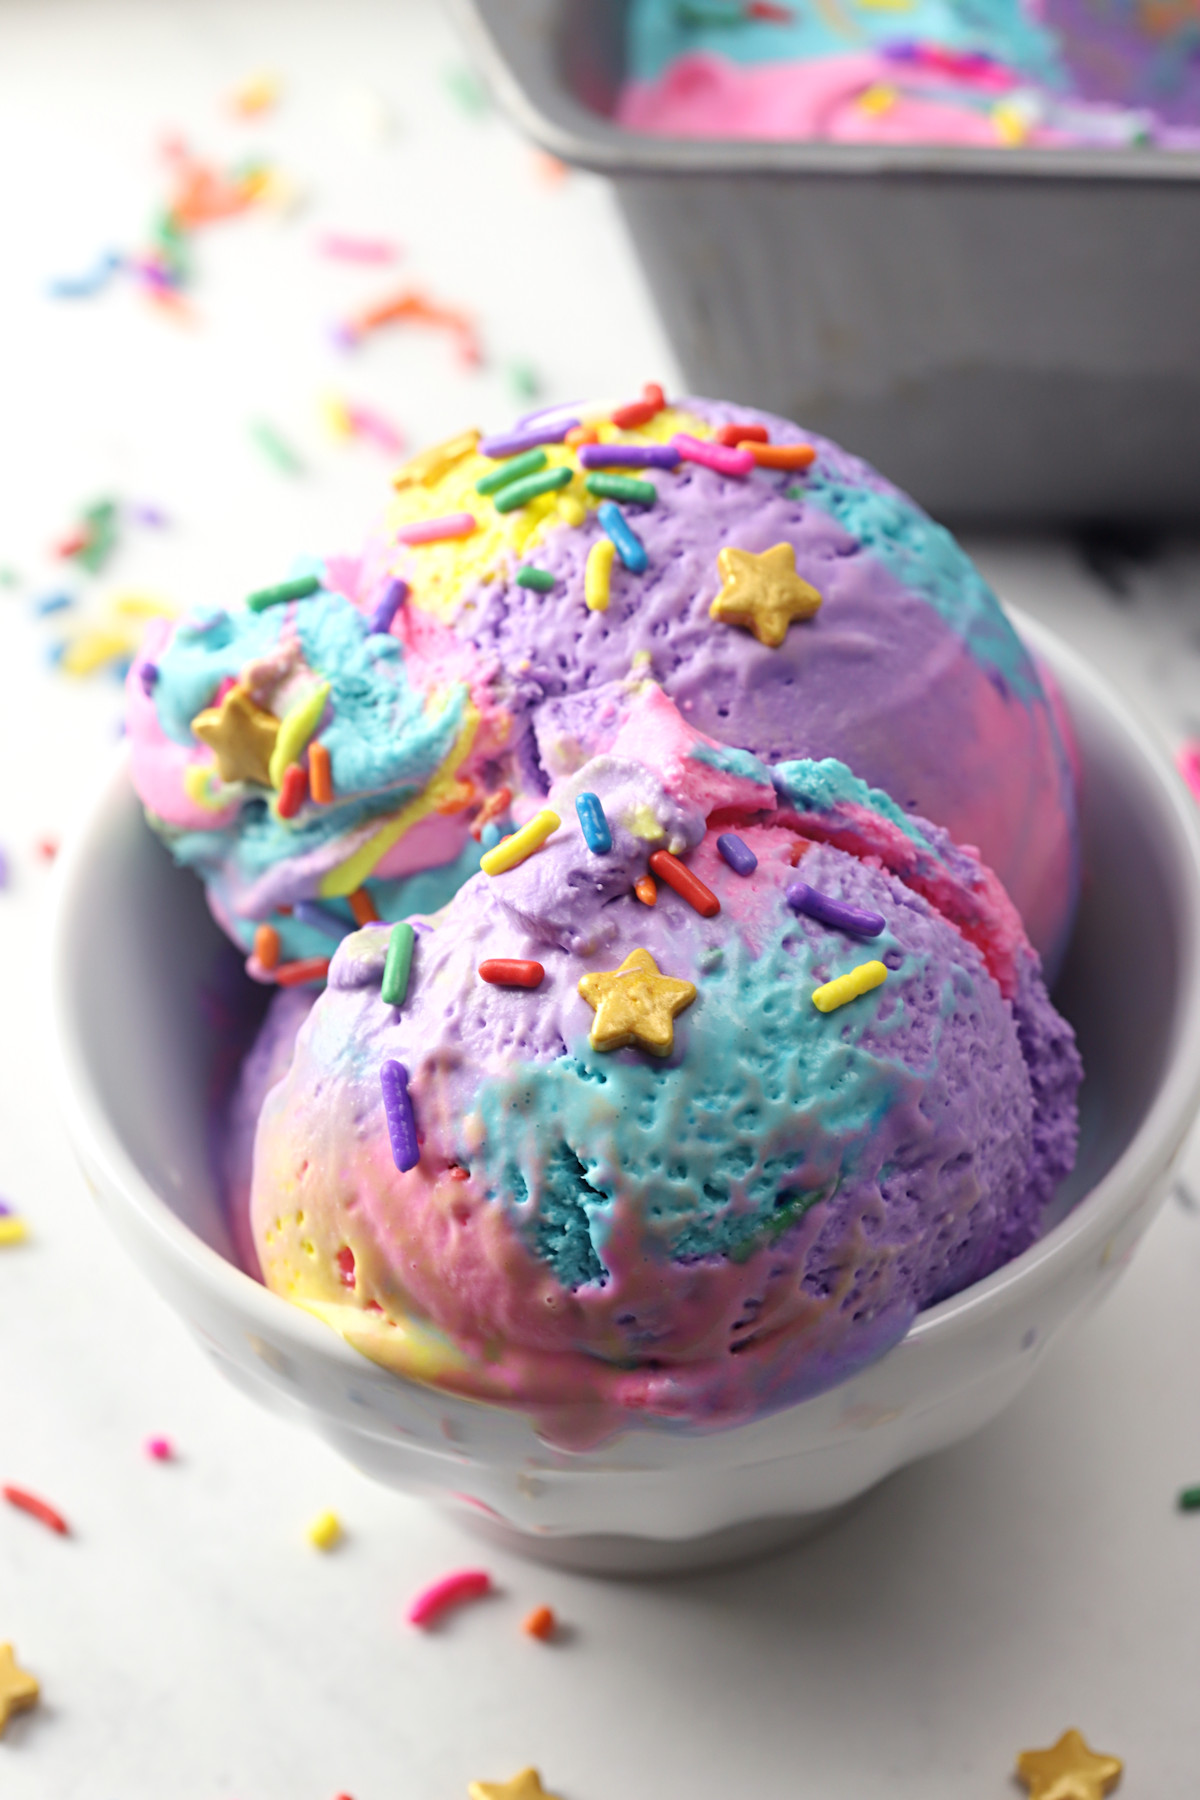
x: 37, y: 1509
x: 768, y: 12
x: 47, y: 848
x: 654, y: 394
x: 159, y: 1448
x: 266, y: 947
x: 783, y: 456
x: 689, y: 887
x: 293, y: 791
x: 510, y: 971
x: 320, y: 774
x: 346, y: 1266
x: 451, y: 1590
x: 646, y: 889
x: 733, y: 435
x: 304, y: 969
x: 638, y: 412
x: 363, y: 907
x: 540, y: 1623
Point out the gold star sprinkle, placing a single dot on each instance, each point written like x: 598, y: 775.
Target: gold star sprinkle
x: 243, y: 735
x: 1068, y: 1771
x: 525, y: 1786
x: 18, y: 1689
x: 635, y: 1004
x: 763, y: 592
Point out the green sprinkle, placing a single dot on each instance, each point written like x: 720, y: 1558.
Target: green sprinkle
x: 275, y: 449
x: 690, y: 12
x: 541, y: 580
x: 398, y: 964
x: 100, y: 534
x: 711, y: 959
x: 1189, y: 1500
x: 298, y: 589
x: 465, y: 87
x: 511, y: 470
x: 524, y: 380
x: 520, y: 493
x: 623, y: 487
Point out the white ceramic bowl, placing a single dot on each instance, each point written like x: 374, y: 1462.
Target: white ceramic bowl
x: 137, y: 961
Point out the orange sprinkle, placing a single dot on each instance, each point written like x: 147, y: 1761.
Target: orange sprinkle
x: 540, y: 1623
x: 320, y: 774
x: 301, y: 972
x: 782, y: 456
x: 733, y: 435
x: 363, y: 907
x: 582, y: 434
x: 266, y: 946
x: 646, y: 889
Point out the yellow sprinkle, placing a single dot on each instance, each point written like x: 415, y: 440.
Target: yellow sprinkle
x: 295, y: 729
x: 429, y: 467
x: 336, y: 415
x: 199, y: 782
x: 868, y: 975
x: 12, y: 1231
x: 513, y: 850
x: 570, y: 510
x: 598, y: 575
x: 1011, y: 126
x: 142, y: 606
x: 258, y: 95
x: 879, y: 98
x: 325, y: 1531
x: 92, y: 649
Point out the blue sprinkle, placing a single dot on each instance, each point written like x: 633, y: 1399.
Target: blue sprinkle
x: 630, y: 547
x: 148, y: 676
x: 398, y: 1110
x: 737, y: 854
x: 322, y: 918
x: 490, y: 836
x: 380, y: 621
x: 594, y: 824
x: 52, y: 603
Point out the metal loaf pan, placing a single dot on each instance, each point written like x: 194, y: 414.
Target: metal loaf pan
x: 1012, y: 335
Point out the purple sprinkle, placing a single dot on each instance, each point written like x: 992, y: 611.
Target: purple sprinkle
x: 513, y: 442
x: 546, y: 412
x: 398, y: 1110
x: 322, y: 918
x: 828, y: 911
x: 737, y: 854
x: 3, y: 885
x: 380, y: 622
x: 5, y: 1210
x: 628, y: 456
x: 148, y: 676
x: 153, y: 516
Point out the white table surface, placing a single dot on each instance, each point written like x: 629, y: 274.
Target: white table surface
x: 189, y: 1641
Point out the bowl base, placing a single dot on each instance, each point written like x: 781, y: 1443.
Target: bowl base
x: 603, y: 1553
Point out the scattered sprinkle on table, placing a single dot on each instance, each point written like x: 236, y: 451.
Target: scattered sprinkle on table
x: 854, y: 920
x: 160, y: 1449
x: 845, y: 988
x: 594, y: 824
x: 540, y: 580
x: 505, y: 971
x: 398, y: 1111
x: 13, y: 1231
x: 1189, y: 1499
x: 325, y: 1532
x: 540, y: 1623
x: 37, y: 1509
x: 18, y: 1688
x: 511, y: 851
x: 344, y: 248
x: 689, y: 887
x: 525, y: 1786
x: 737, y: 853
x: 1069, y: 1770
x: 275, y: 448
x: 597, y: 575
x: 452, y: 1590
x: 398, y: 964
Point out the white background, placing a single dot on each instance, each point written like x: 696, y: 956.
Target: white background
x: 190, y: 1642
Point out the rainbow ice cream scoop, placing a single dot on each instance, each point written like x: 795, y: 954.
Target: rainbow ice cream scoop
x: 345, y: 745
x: 984, y: 72
x: 695, y: 1159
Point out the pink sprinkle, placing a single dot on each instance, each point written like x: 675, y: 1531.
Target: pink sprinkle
x: 160, y: 1449
x: 1187, y: 761
x: 713, y: 456
x: 356, y: 249
x: 451, y: 1590
x: 454, y: 525
x: 375, y: 427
